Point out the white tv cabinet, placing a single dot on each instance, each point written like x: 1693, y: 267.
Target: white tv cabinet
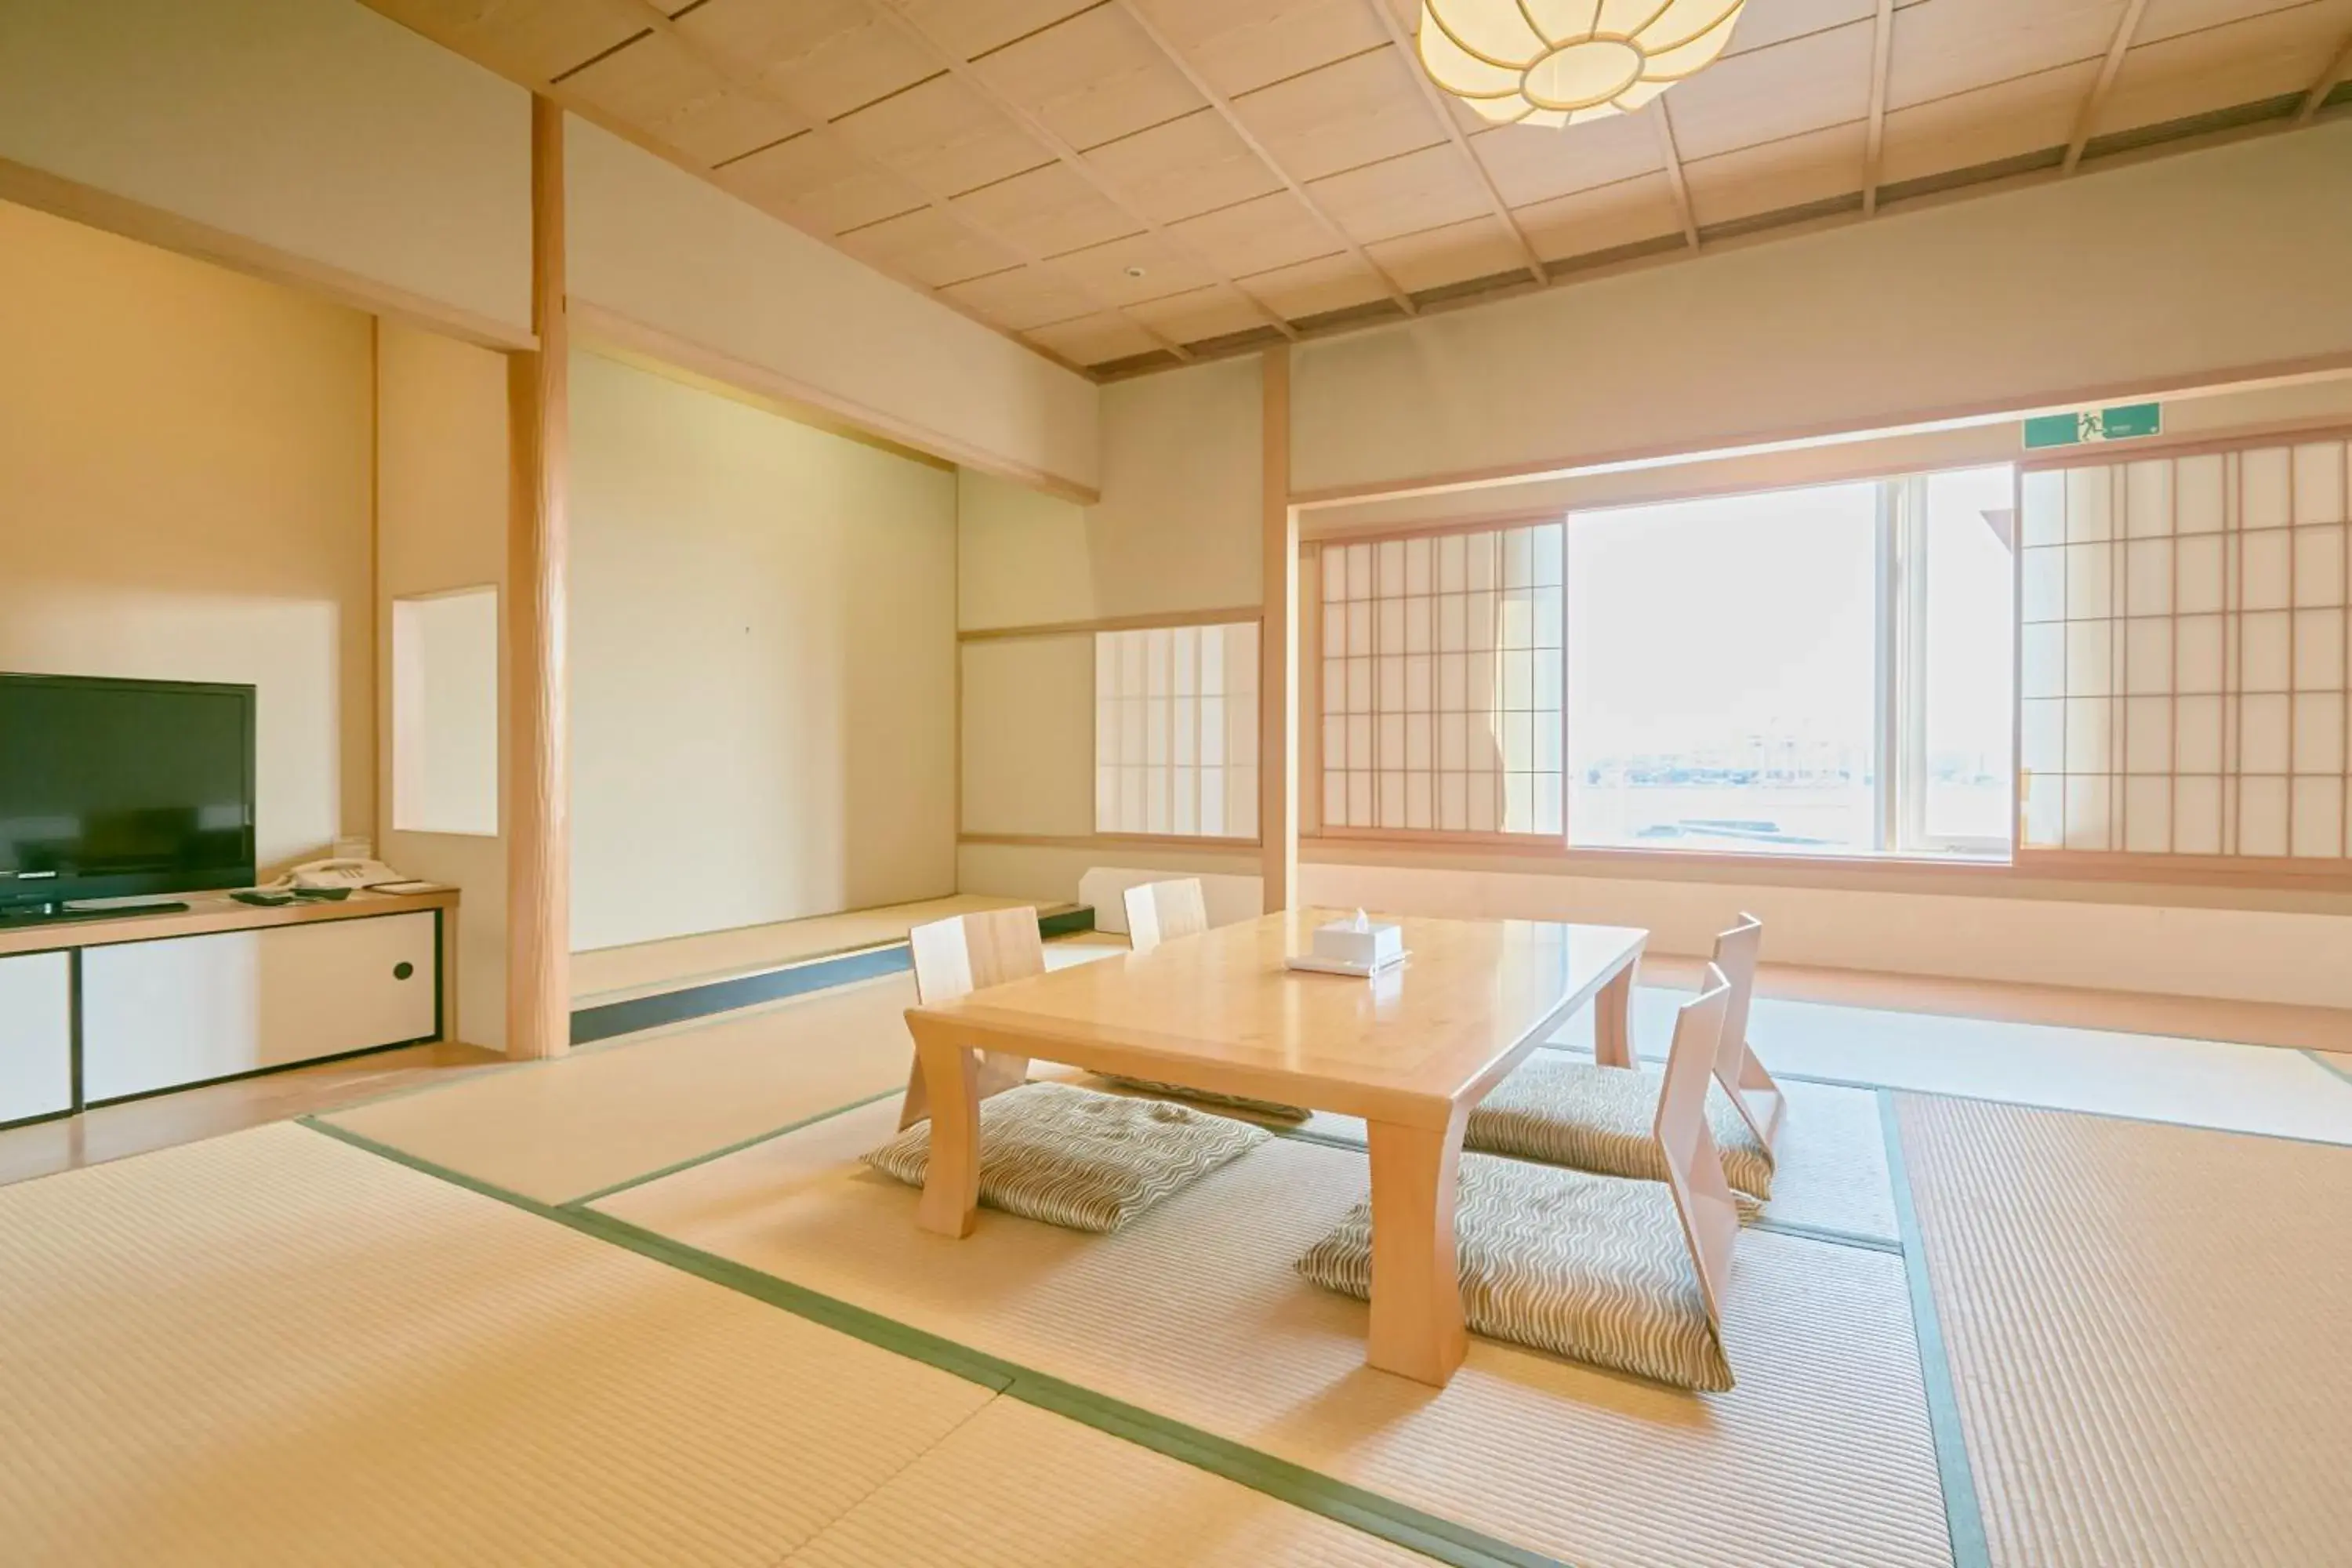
x: 99, y: 1010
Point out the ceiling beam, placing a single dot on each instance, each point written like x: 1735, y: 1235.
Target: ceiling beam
x: 2119, y: 46
x: 1437, y: 106
x: 1882, y: 50
x: 1665, y: 123
x: 1225, y: 106
x: 745, y: 80
x: 2335, y: 73
x: 949, y: 60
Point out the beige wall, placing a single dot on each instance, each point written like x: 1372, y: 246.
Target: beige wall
x: 1177, y: 527
x: 441, y: 496
x: 2320, y: 399
x: 763, y: 664
x: 184, y: 495
x: 2109, y: 937
x: 1050, y: 874
x: 674, y: 253
x: 319, y: 139
x: 1177, y: 530
x: 2162, y: 274
x: 314, y: 126
x: 1029, y: 735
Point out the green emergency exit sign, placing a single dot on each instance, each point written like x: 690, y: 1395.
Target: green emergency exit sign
x: 2121, y: 422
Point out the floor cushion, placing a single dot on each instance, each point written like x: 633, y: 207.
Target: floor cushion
x: 1079, y: 1158
x: 1274, y: 1109
x: 1592, y: 1268
x: 1565, y: 1111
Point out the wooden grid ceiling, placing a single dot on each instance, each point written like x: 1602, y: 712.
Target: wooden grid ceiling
x: 1125, y: 185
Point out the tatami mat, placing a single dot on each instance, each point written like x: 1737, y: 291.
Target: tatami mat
x: 274, y: 1349
x: 1018, y: 1486
x: 1831, y: 1170
x: 1821, y: 1454
x: 560, y: 1131
x: 2146, y: 1327
x: 2197, y: 1083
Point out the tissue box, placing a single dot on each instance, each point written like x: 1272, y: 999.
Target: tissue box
x: 1368, y: 945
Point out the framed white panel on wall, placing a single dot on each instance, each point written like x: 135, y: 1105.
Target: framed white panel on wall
x: 445, y: 712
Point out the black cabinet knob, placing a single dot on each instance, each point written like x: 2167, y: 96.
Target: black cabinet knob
x: 403, y: 970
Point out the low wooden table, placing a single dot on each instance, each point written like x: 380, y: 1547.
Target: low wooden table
x: 1411, y: 1052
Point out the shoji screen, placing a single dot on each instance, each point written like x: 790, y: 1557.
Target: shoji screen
x: 1440, y: 681
x: 2184, y: 664
x: 1176, y: 730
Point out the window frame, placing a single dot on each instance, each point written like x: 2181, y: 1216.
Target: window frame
x: 1202, y: 621
x: 1900, y: 642
x: 1309, y: 710
x: 2284, y: 873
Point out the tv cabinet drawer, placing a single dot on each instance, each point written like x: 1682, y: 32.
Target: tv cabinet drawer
x: 157, y: 1014
x: 35, y: 1036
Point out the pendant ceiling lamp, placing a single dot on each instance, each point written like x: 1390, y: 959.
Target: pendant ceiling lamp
x: 1562, y: 62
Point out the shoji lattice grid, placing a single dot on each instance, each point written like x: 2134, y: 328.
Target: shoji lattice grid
x: 1176, y: 730
x: 2185, y: 669
x: 1440, y: 681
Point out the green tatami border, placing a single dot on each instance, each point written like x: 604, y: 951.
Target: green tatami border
x: 1401, y: 1524
x: 753, y: 1141
x: 1962, y: 1513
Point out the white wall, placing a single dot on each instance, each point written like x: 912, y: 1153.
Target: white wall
x: 763, y: 664
x: 2166, y: 273
x: 441, y: 523
x: 1177, y: 530
x: 1177, y: 527
x: 320, y: 140
x: 666, y: 250
x: 314, y: 126
x: 2249, y: 955
x: 183, y: 495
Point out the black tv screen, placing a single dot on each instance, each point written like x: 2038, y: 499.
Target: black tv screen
x: 114, y: 788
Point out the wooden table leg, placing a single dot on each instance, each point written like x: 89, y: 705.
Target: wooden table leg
x: 1612, y: 1040
x: 1417, y: 1330
x: 951, y: 1185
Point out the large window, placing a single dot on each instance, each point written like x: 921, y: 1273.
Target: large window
x: 1824, y: 671
x: 1441, y: 683
x: 1722, y: 673
x: 1176, y: 730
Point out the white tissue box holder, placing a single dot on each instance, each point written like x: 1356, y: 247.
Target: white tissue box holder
x: 1367, y: 948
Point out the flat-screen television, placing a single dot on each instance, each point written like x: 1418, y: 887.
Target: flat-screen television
x: 116, y: 788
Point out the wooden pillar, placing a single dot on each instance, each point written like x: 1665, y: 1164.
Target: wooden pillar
x: 1277, y: 752
x: 537, y: 785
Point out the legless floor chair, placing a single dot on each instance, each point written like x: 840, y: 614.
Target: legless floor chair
x: 1594, y: 1118
x: 965, y: 953
x: 1163, y: 911
x: 1051, y: 1152
x: 1624, y: 1274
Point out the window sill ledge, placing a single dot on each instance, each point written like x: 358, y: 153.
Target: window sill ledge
x: 2031, y: 872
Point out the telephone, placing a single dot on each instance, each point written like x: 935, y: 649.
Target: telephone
x: 336, y: 876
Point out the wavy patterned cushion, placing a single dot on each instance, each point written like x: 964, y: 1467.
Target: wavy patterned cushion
x: 1078, y: 1158
x: 1564, y: 1112
x: 1592, y: 1268
x: 1203, y: 1096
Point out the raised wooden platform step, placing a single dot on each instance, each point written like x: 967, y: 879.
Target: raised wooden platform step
x: 794, y: 964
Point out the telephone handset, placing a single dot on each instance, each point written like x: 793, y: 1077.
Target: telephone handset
x: 336, y: 876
